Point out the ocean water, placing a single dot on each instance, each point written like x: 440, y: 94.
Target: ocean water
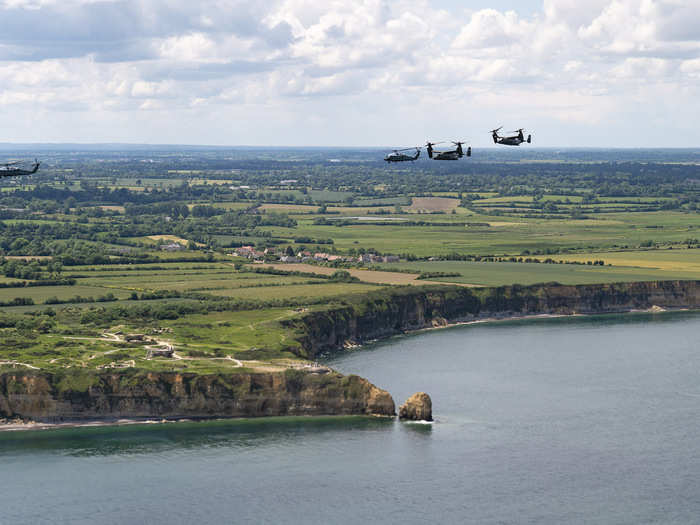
x: 583, y: 420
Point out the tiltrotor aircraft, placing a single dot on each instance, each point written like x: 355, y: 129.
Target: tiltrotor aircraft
x: 455, y: 154
x: 397, y: 156
x: 511, y: 140
x: 14, y: 169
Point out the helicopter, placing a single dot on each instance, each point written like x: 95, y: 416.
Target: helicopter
x: 397, y: 156
x: 512, y: 140
x: 14, y: 169
x: 447, y: 155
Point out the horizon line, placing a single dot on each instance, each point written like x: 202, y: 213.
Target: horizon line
x: 269, y: 146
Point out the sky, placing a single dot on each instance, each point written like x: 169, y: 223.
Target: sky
x: 594, y: 73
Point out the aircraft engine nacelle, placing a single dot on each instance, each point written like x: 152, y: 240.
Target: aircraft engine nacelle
x: 529, y: 139
x: 469, y: 151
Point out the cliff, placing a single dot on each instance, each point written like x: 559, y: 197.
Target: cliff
x: 81, y: 394
x: 380, y: 315
x: 87, y: 395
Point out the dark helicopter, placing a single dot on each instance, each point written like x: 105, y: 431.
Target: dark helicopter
x: 397, y: 156
x: 455, y: 154
x: 14, y: 169
x: 512, y: 140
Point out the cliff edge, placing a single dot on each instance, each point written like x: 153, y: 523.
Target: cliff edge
x: 383, y: 314
x: 77, y: 396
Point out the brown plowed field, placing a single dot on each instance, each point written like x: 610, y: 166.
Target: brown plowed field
x: 430, y: 204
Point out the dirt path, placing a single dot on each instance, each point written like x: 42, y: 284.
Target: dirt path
x: 17, y: 363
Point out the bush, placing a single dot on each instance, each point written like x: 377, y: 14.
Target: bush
x: 343, y: 276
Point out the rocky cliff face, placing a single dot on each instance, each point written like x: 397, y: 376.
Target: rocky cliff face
x: 418, y: 407
x: 412, y: 308
x: 85, y: 396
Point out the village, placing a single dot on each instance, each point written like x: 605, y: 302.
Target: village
x: 290, y: 256
x: 305, y: 256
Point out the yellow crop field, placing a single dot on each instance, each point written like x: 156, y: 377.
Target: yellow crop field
x: 289, y: 208
x: 673, y: 260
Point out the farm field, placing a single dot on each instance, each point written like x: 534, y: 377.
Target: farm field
x: 39, y: 294
x: 510, y: 237
x: 170, y: 238
x: 367, y: 276
x: 229, y: 205
x: 289, y: 208
x: 194, y: 283
x: 682, y: 260
x: 500, y: 273
x: 432, y: 204
x: 161, y: 266
x: 82, y: 306
x: 221, y: 280
x: 360, y: 210
x: 309, y: 292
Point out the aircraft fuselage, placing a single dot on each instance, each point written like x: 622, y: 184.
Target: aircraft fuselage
x: 446, y: 155
x: 7, y: 171
x: 511, y: 141
x: 400, y: 158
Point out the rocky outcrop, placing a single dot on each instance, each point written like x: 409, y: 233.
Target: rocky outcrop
x: 77, y: 396
x: 383, y: 314
x: 418, y: 407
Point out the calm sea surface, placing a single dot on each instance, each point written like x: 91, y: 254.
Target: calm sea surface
x: 589, y: 420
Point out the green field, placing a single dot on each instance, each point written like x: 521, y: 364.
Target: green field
x: 225, y: 332
x: 191, y: 281
x: 507, y: 235
x: 39, y: 294
x: 676, y: 260
x: 499, y: 273
x: 297, y: 291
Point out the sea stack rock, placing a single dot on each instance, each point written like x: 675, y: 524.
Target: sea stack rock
x: 418, y: 407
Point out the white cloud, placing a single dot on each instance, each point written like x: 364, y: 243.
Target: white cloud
x: 570, y: 62
x: 195, y: 46
x: 644, y: 67
x: 491, y: 28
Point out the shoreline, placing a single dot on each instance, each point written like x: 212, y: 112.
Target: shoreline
x: 17, y: 425
x: 35, y: 426
x: 525, y: 317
